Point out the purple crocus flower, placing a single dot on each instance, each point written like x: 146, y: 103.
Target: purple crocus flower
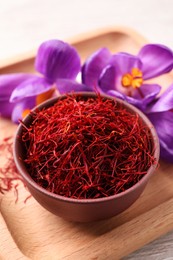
x: 160, y: 113
x: 59, y: 64
x: 123, y: 75
x: 7, y: 84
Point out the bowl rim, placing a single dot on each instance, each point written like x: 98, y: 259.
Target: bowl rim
x: 28, y: 179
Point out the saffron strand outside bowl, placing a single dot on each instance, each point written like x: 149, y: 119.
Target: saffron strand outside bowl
x: 83, y: 210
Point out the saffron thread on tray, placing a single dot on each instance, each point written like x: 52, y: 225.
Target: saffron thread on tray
x: 9, y: 175
x: 87, y: 147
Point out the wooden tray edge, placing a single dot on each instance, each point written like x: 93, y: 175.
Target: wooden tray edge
x: 77, y: 39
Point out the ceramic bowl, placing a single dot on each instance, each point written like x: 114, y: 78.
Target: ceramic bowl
x: 84, y: 210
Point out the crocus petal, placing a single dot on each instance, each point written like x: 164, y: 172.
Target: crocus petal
x: 156, y: 60
x: 117, y: 94
x: 27, y: 103
x: 107, y: 79
x: 31, y: 87
x: 136, y: 102
x: 163, y: 123
x: 124, y: 63
x: 166, y: 152
x: 146, y: 93
x: 107, y: 83
x: 9, y: 82
x: 65, y: 86
x: 165, y: 101
x: 143, y: 96
x: 93, y: 67
x: 56, y: 59
x: 6, y: 108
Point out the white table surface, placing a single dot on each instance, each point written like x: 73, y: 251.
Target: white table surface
x: 24, y: 24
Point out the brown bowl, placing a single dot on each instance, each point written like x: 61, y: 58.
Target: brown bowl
x: 83, y: 210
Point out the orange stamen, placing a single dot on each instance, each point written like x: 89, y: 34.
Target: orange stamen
x: 133, y: 79
x: 25, y: 112
x: 44, y: 96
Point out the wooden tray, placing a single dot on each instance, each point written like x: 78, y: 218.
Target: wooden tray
x: 28, y: 230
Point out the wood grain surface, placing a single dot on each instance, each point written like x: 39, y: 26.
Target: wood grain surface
x: 35, y: 233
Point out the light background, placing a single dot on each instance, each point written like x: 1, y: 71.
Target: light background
x: 24, y: 24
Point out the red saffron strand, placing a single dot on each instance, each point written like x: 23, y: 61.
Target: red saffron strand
x: 87, y: 147
x: 8, y: 171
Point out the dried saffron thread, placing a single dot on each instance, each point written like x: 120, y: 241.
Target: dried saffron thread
x: 8, y: 171
x: 86, y: 147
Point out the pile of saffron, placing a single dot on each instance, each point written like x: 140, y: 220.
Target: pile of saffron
x: 87, y: 147
x: 9, y: 175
